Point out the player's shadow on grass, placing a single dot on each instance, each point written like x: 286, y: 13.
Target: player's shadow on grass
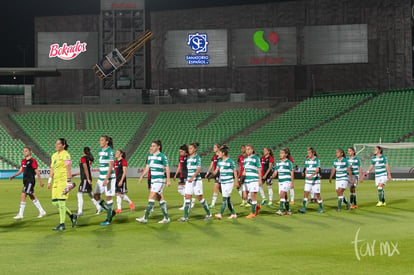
x: 206, y: 227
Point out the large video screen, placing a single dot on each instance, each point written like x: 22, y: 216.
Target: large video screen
x: 196, y: 48
x: 264, y: 46
x: 336, y: 44
x: 67, y: 50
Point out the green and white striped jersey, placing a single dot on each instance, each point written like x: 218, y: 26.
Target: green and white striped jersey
x: 157, y: 163
x: 341, y: 167
x: 283, y: 169
x: 379, y: 163
x: 226, y: 170
x: 355, y: 163
x: 252, y: 165
x: 105, y: 156
x: 310, y: 166
x: 193, y: 162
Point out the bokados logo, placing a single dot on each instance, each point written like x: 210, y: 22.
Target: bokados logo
x: 261, y: 43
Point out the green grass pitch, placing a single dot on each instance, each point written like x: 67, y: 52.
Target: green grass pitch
x: 368, y: 240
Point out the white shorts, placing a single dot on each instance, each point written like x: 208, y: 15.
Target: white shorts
x: 157, y: 187
x: 341, y: 184
x: 108, y: 190
x: 284, y: 186
x: 313, y: 188
x: 226, y: 189
x: 194, y: 188
x: 381, y: 179
x: 253, y: 186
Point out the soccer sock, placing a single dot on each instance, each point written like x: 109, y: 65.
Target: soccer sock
x: 262, y: 194
x: 187, y: 208
x: 109, y: 210
x: 184, y: 201
x: 62, y: 210
x: 163, y: 206
x: 205, y: 206
x: 254, y: 204
x: 320, y: 204
x: 213, y: 201
x: 103, y: 204
x: 340, y: 198
x: 223, y: 205
x: 287, y: 205
x: 345, y: 200
x: 355, y: 201
x: 292, y: 194
x: 305, y: 201
x: 22, y: 207
x: 150, y: 205
x: 282, y: 203
x: 383, y: 195
x: 98, y: 207
x: 127, y: 199
x: 270, y: 191
x: 230, y: 205
x: 380, y: 194
x: 80, y: 202
x: 119, y: 202
x: 36, y: 202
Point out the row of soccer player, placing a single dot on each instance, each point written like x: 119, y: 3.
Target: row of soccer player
x: 253, y: 173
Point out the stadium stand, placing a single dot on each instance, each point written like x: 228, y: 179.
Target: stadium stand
x: 386, y: 118
x: 11, y: 151
x: 46, y: 127
x: 176, y: 128
x: 299, y: 120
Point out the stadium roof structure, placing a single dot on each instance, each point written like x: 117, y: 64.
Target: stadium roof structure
x: 29, y: 71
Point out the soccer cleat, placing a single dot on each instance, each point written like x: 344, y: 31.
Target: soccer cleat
x: 41, y: 214
x: 354, y: 206
x: 247, y: 204
x: 164, y: 220
x: 74, y: 219
x: 141, y: 220
x: 218, y: 216
x: 379, y: 204
x: 320, y: 210
x: 292, y: 202
x: 182, y: 219
x: 208, y: 217
x: 251, y: 215
x: 338, y: 209
x: 384, y: 204
x: 243, y: 203
x: 118, y: 211
x: 60, y: 227
x: 258, y: 207
x: 348, y: 206
x: 279, y: 212
x: 105, y: 223
x: 278, y: 202
x: 132, y: 206
x: 263, y: 202
x: 18, y: 217
x: 288, y: 213
x: 270, y: 203
x: 232, y: 216
x: 211, y: 206
x: 302, y: 210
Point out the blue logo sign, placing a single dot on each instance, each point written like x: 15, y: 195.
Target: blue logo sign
x: 199, y: 44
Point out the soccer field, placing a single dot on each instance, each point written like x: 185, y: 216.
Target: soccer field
x: 367, y: 240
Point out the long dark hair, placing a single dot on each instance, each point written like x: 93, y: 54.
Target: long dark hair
x: 184, y: 147
x: 270, y: 151
x: 353, y: 150
x: 87, y: 152
x: 64, y: 143
x: 380, y: 149
x: 109, y: 140
x: 158, y: 142
x: 313, y: 151
x: 224, y: 149
x: 123, y: 155
x: 342, y: 151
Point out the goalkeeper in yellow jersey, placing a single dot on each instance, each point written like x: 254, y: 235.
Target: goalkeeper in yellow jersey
x: 60, y: 175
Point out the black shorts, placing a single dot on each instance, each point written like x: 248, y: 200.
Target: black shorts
x: 268, y: 180
x: 241, y: 179
x: 182, y: 181
x: 121, y: 189
x: 28, y: 188
x: 85, y: 187
x: 217, y: 179
x: 149, y: 183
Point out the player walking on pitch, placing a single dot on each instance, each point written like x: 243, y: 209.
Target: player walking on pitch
x: 357, y: 175
x: 382, y: 173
